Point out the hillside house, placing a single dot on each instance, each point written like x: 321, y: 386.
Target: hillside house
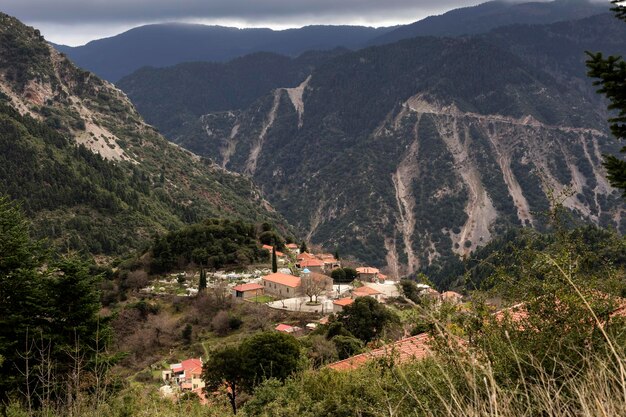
x: 293, y: 248
x: 367, y: 274
x: 330, y: 262
x: 282, y: 285
x: 412, y: 348
x: 285, y: 328
x: 367, y: 292
x: 338, y: 305
x: 187, y: 375
x: 246, y: 291
x: 313, y: 265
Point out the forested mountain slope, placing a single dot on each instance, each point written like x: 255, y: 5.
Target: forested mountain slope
x: 173, y: 98
x: 162, y: 45
x: 419, y: 150
x: 87, y: 169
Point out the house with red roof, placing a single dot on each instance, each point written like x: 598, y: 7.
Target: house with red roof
x: 367, y: 274
x: 285, y: 328
x: 246, y: 291
x: 338, y: 305
x: 282, y: 285
x: 366, y: 291
x: 412, y: 348
x: 313, y: 265
x: 293, y: 248
x: 186, y: 376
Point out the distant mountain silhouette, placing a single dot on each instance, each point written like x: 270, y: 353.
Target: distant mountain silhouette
x: 163, y: 45
x: 494, y: 14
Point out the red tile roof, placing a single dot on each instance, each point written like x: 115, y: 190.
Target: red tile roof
x: 268, y: 247
x: 291, y: 246
x: 285, y: 328
x: 382, y: 276
x: 311, y: 262
x: 248, y: 287
x: 283, y: 279
x: 363, y: 291
x: 343, y: 302
x: 415, y: 347
x: 305, y: 255
x: 367, y: 270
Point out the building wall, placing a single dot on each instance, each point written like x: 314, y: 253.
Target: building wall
x: 245, y: 295
x: 368, y: 277
x: 280, y: 290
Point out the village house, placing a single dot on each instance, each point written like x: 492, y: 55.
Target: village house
x: 187, y: 375
x: 330, y: 262
x: 281, y: 258
x: 411, y: 348
x: 285, y: 328
x: 367, y: 274
x: 246, y: 291
x: 365, y: 291
x: 282, y: 285
x: 293, y: 248
x: 339, y: 304
x: 313, y: 265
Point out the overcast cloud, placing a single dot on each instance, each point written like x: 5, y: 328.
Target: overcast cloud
x: 77, y: 21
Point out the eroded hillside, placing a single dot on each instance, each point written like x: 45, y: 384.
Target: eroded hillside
x: 424, y: 149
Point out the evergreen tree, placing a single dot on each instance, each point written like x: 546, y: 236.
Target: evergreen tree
x: 303, y: 247
x: 611, y: 77
x: 202, y: 282
x: 274, y: 260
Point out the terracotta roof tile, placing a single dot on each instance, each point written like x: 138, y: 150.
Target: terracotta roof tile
x: 363, y: 291
x: 283, y: 279
x: 248, y: 287
x: 415, y: 347
x: 343, y: 302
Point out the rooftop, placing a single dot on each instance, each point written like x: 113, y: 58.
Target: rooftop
x: 343, y: 302
x: 248, y: 287
x: 415, y: 347
x: 311, y: 262
x: 363, y: 291
x: 283, y: 279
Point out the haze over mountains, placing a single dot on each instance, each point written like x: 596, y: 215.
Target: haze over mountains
x: 161, y: 45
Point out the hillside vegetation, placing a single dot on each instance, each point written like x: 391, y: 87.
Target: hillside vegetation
x: 421, y: 150
x: 87, y: 169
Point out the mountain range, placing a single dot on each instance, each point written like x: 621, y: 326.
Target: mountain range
x: 87, y: 170
x: 414, y: 152
x: 161, y: 45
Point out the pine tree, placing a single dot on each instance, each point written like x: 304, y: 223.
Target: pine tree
x: 303, y: 247
x: 202, y: 282
x: 274, y: 260
x: 611, y: 77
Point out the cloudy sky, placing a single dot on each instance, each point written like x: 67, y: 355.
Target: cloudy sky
x: 75, y: 22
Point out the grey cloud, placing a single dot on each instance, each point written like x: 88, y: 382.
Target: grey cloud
x: 120, y: 11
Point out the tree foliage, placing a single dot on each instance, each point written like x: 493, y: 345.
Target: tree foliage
x: 46, y: 302
x: 366, y: 318
x: 610, y: 73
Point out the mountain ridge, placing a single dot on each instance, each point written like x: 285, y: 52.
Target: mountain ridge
x: 87, y: 169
